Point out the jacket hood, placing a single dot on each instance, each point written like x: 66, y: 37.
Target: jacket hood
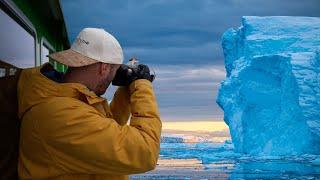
x: 35, y: 88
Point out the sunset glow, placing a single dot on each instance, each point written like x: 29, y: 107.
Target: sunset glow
x: 208, y: 126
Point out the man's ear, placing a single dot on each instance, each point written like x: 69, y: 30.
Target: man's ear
x: 104, y: 68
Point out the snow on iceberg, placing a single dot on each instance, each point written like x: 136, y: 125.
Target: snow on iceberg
x: 271, y: 95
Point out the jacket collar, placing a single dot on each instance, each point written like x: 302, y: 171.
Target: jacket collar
x: 75, y: 90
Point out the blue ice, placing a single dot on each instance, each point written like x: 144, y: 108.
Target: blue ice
x: 271, y: 95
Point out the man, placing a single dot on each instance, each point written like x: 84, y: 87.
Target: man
x: 69, y: 132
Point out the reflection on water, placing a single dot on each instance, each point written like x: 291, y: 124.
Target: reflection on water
x: 218, y: 161
x: 275, y: 168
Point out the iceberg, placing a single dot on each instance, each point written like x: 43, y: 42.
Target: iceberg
x: 183, y: 138
x: 172, y: 139
x: 271, y: 94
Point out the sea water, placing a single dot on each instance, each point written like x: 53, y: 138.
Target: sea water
x: 219, y: 157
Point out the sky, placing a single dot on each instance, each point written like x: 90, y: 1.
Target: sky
x: 180, y: 40
x: 20, y: 54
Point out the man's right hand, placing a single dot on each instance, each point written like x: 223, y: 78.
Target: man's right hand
x: 142, y: 72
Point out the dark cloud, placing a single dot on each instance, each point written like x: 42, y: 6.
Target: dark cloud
x: 176, y: 24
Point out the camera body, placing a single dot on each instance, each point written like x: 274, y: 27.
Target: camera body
x: 131, y: 72
x: 123, y: 75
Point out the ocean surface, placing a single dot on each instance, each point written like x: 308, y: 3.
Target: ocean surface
x: 217, y: 160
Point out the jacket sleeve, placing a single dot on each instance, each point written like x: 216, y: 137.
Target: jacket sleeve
x: 87, y: 142
x: 120, y: 105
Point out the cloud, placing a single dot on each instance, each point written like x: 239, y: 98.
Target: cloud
x: 190, y: 72
x: 201, y: 54
x: 188, y: 77
x: 168, y: 29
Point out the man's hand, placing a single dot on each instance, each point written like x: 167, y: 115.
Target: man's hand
x: 142, y: 72
x: 126, y: 75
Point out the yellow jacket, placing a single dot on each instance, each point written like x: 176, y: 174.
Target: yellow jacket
x: 68, y: 132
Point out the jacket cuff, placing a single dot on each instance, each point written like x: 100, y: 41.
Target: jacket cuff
x: 140, y: 83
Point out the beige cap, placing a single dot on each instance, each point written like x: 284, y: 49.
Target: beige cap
x: 92, y: 45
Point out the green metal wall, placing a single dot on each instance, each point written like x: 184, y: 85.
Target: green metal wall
x: 44, y: 27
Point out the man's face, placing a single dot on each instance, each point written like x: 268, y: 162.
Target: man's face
x: 106, y: 75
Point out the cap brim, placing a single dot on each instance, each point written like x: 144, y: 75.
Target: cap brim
x: 72, y: 58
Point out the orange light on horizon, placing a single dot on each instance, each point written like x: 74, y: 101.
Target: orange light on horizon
x: 207, y: 126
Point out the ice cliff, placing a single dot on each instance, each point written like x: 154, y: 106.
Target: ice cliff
x: 271, y: 95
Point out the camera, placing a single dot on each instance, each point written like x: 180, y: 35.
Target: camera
x: 130, y: 72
